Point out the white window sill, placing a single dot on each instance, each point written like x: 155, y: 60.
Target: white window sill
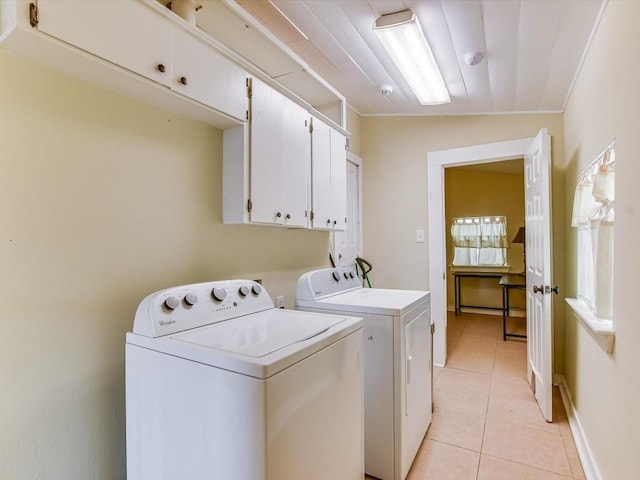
x: 601, y: 330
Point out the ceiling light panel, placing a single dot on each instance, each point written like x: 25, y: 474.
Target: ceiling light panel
x: 402, y: 37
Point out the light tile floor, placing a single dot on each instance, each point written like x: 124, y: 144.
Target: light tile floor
x: 487, y: 424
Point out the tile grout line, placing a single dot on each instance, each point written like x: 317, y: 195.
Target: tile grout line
x: 486, y: 414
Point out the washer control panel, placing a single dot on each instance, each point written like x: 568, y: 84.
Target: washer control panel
x: 185, y: 307
x: 327, y: 281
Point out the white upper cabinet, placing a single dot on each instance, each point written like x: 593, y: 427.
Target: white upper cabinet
x: 127, y: 34
x: 201, y: 73
x: 136, y: 47
x: 296, y: 163
x: 328, y: 177
x: 266, y: 164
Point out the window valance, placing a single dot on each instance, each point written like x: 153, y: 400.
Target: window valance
x: 594, y: 216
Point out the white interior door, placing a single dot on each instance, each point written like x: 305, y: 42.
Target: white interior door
x: 537, y: 173
x: 348, y: 242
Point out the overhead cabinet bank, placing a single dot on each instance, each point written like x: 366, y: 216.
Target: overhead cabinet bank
x: 283, y: 167
x: 278, y: 168
x: 138, y: 48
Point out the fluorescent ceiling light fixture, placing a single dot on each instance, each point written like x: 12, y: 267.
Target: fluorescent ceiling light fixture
x: 401, y: 35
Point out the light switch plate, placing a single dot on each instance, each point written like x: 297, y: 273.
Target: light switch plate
x: 419, y: 236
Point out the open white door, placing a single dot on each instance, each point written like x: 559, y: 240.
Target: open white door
x: 537, y: 178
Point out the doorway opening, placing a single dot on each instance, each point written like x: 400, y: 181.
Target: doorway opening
x: 437, y: 162
x: 484, y: 211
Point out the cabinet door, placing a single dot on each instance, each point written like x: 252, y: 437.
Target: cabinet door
x: 266, y: 154
x: 338, y: 179
x: 128, y: 34
x: 205, y: 75
x: 321, y: 175
x: 296, y: 158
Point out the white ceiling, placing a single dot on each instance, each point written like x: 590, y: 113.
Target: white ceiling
x: 532, y: 48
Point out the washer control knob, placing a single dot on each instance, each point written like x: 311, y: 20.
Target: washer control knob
x: 218, y: 293
x: 171, y: 303
x: 190, y: 299
x: 256, y: 289
x: 336, y: 276
x: 243, y: 291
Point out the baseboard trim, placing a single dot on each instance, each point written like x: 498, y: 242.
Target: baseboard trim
x: 585, y: 453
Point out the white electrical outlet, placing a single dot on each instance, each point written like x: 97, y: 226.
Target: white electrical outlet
x: 280, y: 301
x: 419, y: 236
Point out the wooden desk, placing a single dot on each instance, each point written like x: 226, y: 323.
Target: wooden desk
x: 510, y: 282
x: 457, y: 288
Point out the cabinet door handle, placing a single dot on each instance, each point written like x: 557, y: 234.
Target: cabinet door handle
x: 335, y: 222
x: 288, y: 216
x: 161, y: 68
x: 278, y: 214
x: 183, y: 80
x: 329, y: 221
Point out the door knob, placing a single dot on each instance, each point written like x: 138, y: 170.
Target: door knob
x: 548, y: 289
x: 538, y: 289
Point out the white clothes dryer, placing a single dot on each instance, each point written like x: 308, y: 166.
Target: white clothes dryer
x: 220, y: 385
x: 397, y: 362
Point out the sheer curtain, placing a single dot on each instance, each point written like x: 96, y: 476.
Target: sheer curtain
x: 593, y: 216
x: 479, y: 241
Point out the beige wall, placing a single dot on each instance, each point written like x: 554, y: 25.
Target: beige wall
x: 102, y: 201
x: 471, y: 193
x: 604, y: 105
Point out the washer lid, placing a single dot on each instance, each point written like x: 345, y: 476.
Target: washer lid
x: 259, y: 334
x: 259, y: 344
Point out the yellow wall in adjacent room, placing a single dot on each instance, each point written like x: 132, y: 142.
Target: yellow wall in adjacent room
x: 102, y: 201
x: 470, y: 192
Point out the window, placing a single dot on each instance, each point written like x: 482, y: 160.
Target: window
x: 593, y: 216
x: 479, y: 241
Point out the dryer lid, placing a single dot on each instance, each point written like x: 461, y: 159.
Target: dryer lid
x: 371, y: 300
x: 259, y: 334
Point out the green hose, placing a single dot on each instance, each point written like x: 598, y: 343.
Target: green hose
x: 366, y: 267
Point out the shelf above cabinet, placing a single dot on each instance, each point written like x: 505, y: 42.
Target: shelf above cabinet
x: 230, y: 24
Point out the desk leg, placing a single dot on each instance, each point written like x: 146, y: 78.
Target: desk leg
x: 505, y: 311
x: 456, y: 294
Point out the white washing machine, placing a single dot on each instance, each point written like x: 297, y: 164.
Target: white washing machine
x: 222, y: 386
x: 398, y: 362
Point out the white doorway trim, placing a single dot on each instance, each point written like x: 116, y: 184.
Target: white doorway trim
x: 437, y: 161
